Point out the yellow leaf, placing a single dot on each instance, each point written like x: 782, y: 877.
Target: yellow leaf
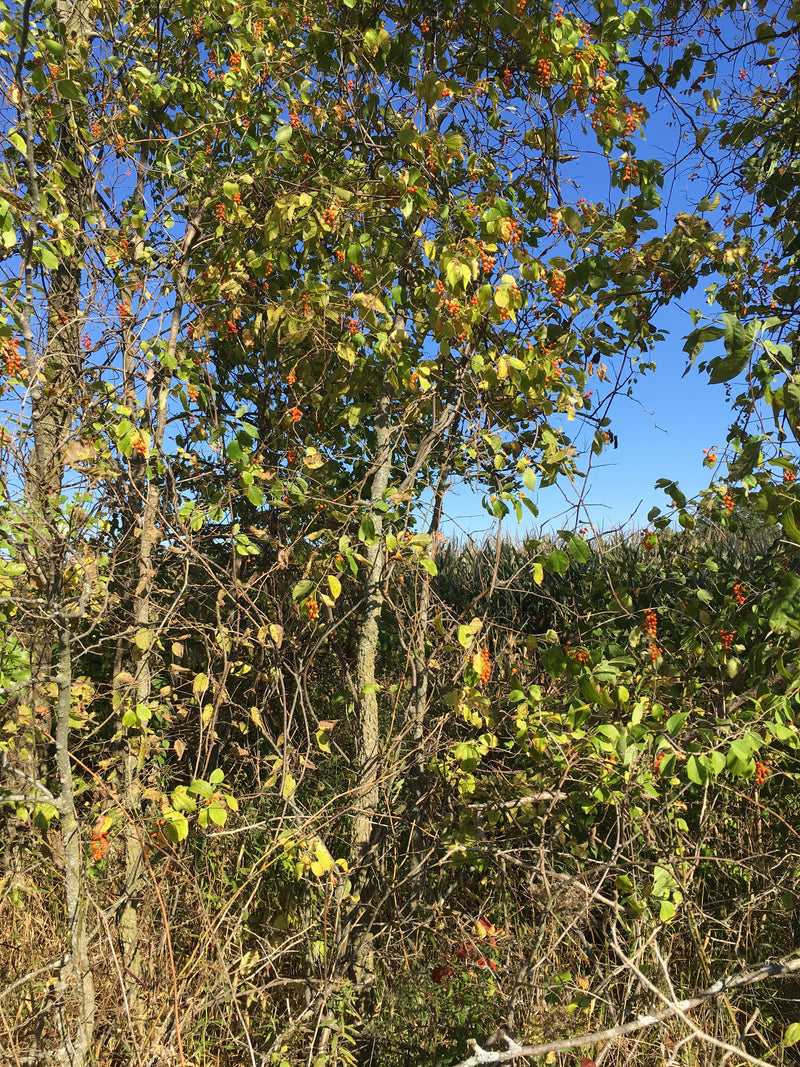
x: 368, y: 301
x: 143, y: 639
x: 276, y: 633
x: 335, y: 586
x: 289, y: 786
x: 324, y: 858
x: 502, y: 368
x: 255, y: 715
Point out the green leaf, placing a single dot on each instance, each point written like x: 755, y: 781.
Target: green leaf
x: 580, y: 551
x: 554, y: 661
x: 738, y: 345
x: 255, y: 494
x: 696, y: 770
x: 217, y: 814
x: 302, y: 589
x: 784, y: 611
x: 674, y: 723
x: 45, y: 256
x: 557, y: 561
x: 283, y: 134
x: 792, y: 1035
x: 666, y: 911
x: 176, y: 826
x: 70, y: 91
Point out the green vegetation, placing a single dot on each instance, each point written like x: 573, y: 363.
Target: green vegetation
x: 287, y: 778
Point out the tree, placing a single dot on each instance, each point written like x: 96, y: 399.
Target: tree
x: 275, y: 280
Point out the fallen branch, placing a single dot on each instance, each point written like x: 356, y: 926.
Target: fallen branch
x: 725, y: 985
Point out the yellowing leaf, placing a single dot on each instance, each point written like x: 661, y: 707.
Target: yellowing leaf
x: 289, y: 786
x: 276, y: 633
x: 143, y: 639
x: 255, y: 715
x: 335, y: 586
x: 502, y: 368
x: 479, y: 662
x: 313, y: 459
x: 200, y: 685
x: 368, y: 301
x: 324, y: 858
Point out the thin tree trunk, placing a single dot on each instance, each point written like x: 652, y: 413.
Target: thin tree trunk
x: 77, y: 982
x: 367, y: 796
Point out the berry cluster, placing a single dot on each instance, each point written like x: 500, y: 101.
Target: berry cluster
x: 728, y: 503
x: 312, y: 607
x: 762, y: 771
x: 486, y: 669
x: 295, y: 414
x: 633, y: 118
x: 630, y: 173
x: 99, y: 840
x: 556, y: 283
x: 487, y: 261
x: 580, y: 655
x: 650, y: 622
x: 13, y: 356
x: 739, y: 593
x: 726, y: 639
x: 543, y: 71
x: 219, y: 211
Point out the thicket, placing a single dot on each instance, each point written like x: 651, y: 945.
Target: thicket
x: 286, y: 777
